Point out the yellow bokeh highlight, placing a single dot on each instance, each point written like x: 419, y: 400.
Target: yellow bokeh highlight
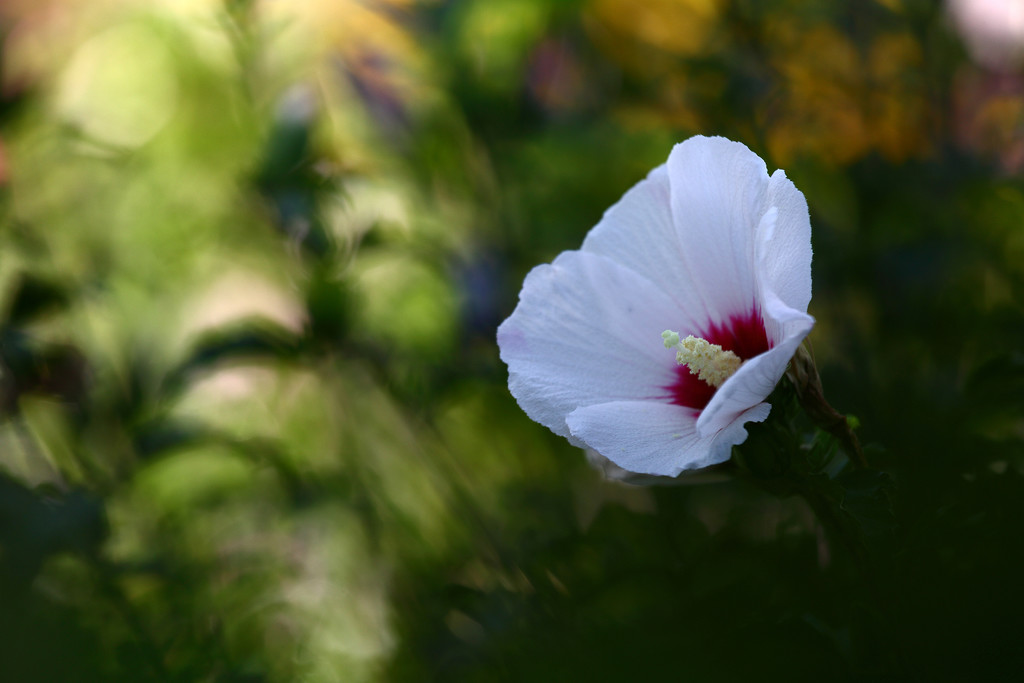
x: 679, y: 27
x: 836, y: 103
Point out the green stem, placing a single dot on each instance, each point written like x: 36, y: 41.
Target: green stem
x: 804, y: 374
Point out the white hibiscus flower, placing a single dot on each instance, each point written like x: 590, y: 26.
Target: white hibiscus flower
x: 709, y: 256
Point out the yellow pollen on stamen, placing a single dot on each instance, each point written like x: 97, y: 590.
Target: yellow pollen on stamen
x: 710, y: 362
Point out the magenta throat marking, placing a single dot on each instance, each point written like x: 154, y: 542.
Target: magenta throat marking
x: 744, y: 335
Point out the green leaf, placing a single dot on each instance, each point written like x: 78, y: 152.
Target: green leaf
x: 867, y: 501
x: 253, y: 338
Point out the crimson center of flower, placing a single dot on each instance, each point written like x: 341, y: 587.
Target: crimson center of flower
x: 740, y: 337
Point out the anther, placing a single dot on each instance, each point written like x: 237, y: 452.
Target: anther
x: 710, y: 362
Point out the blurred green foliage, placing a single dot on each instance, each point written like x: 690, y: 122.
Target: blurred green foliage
x: 253, y: 425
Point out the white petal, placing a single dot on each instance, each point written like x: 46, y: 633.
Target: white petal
x: 719, y: 194
x: 758, y: 376
x: 655, y: 438
x: 586, y: 331
x: 784, y: 247
x: 638, y: 232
